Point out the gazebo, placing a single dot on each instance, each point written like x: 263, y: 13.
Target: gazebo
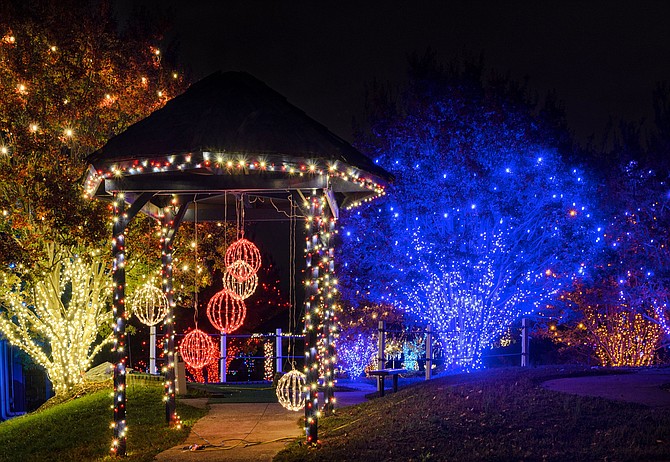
x: 231, y: 134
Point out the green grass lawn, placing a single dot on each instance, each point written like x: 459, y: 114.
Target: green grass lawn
x: 492, y: 415
x: 79, y: 430
x: 233, y: 392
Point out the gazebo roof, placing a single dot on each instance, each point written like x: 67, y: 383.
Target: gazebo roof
x: 227, y: 124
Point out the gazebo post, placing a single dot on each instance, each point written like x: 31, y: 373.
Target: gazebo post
x: 319, y: 308
x: 311, y: 319
x: 119, y: 350
x: 328, y: 290
x: 122, y: 217
x: 170, y: 222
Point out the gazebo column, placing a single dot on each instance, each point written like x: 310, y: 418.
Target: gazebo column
x: 122, y: 217
x: 327, y: 286
x: 319, y: 310
x: 312, y: 318
x: 170, y: 222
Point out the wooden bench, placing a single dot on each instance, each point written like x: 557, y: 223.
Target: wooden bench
x: 381, y: 375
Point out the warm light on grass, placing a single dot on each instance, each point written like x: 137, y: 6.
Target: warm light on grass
x: 80, y: 430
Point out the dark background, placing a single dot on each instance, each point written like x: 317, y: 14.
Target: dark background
x: 603, y: 58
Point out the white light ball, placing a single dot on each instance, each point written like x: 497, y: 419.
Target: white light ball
x: 290, y: 390
x: 149, y: 304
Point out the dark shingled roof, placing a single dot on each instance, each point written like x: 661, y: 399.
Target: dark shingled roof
x: 236, y: 113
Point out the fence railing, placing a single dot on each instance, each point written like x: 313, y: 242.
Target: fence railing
x: 429, y: 332
x: 281, y: 352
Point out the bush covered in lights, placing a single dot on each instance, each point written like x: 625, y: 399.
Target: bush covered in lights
x: 356, y: 350
x: 485, y: 221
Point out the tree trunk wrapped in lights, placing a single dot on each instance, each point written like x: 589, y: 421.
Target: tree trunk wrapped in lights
x: 57, y: 319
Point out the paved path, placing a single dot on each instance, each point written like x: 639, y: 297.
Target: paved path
x: 643, y: 387
x: 228, y: 428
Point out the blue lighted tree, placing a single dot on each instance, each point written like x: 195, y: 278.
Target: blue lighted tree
x: 485, y: 221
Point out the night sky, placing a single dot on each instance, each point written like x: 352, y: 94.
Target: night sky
x: 603, y: 58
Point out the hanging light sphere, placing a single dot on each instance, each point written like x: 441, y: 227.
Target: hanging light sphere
x: 246, y: 251
x: 198, y: 349
x: 226, y: 311
x: 241, y: 289
x: 291, y: 390
x: 240, y: 270
x: 149, y: 304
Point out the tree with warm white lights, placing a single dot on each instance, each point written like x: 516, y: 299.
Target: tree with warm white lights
x: 64, y: 90
x: 597, y: 320
x: 57, y: 319
x: 485, y: 221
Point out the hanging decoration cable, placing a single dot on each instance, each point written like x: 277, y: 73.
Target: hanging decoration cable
x: 242, y: 249
x: 291, y: 386
x: 197, y: 348
x: 226, y: 310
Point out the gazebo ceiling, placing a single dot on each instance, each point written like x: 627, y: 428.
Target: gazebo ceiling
x: 232, y: 133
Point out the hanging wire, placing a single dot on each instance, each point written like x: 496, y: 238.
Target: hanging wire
x: 242, y: 214
x: 292, y: 294
x: 237, y: 218
x: 195, y: 264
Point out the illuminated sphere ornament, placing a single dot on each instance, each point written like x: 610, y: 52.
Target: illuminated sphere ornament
x: 246, y: 251
x: 198, y: 350
x: 149, y: 304
x: 226, y: 311
x: 291, y: 390
x: 241, y: 289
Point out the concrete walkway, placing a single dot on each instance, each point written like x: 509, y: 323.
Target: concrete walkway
x: 233, y: 431
x: 643, y: 387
